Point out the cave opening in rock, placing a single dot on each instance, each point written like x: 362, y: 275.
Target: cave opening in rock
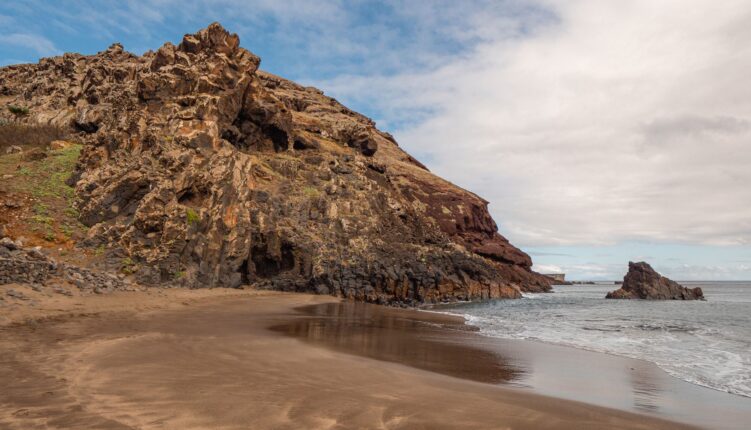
x: 86, y: 127
x: 288, y: 258
x: 244, y: 275
x: 278, y: 137
x: 232, y: 136
x: 192, y: 197
x: 186, y: 197
x: 267, y: 265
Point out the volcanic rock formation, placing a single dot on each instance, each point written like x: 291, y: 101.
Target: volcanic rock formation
x: 203, y: 171
x: 642, y: 282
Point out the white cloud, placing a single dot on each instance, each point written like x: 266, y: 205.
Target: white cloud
x: 589, y: 271
x: 548, y: 268
x: 689, y: 272
x: 592, y: 271
x: 617, y: 121
x: 39, y: 44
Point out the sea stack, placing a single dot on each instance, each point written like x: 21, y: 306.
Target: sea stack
x: 200, y: 170
x: 643, y: 282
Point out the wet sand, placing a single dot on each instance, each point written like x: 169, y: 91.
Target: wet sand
x: 215, y: 363
x: 448, y: 346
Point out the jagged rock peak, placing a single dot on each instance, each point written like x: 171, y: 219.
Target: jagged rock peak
x: 214, y: 37
x: 202, y: 170
x: 116, y: 48
x: 643, y: 282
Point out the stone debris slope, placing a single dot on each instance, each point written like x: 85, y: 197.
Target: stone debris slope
x: 29, y: 265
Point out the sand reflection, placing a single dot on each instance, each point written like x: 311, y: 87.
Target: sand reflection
x: 420, y: 341
x: 646, y: 388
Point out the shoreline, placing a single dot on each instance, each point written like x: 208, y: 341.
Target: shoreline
x: 215, y: 362
x: 561, y: 371
x: 702, y: 343
x: 584, y: 348
x: 725, y: 410
x: 613, y: 354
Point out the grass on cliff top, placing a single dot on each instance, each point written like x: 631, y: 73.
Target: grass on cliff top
x: 41, y: 178
x: 45, y: 211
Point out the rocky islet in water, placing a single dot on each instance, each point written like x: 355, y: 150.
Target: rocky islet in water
x: 643, y: 282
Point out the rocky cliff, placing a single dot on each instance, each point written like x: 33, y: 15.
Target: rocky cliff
x: 200, y: 170
x: 643, y: 282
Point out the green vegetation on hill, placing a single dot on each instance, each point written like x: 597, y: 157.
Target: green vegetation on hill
x: 18, y: 111
x: 36, y: 199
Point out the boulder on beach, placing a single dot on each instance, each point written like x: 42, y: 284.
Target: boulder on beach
x: 643, y: 282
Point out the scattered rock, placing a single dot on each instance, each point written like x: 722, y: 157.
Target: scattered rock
x: 643, y: 282
x: 10, y: 244
x: 63, y: 291
x: 17, y: 294
x: 34, y: 155
x: 25, y: 266
x: 59, y: 144
x: 31, y: 266
x: 14, y: 149
x: 35, y: 253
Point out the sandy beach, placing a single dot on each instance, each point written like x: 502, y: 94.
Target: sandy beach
x: 375, y: 215
x: 235, y: 359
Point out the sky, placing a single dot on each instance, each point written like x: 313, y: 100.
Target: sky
x: 600, y: 131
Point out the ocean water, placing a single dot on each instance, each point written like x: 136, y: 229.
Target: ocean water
x: 703, y: 342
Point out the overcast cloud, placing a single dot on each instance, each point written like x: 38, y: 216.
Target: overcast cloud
x: 617, y: 121
x: 36, y: 43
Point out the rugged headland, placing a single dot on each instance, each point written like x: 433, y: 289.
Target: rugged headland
x: 197, y: 169
x: 643, y: 282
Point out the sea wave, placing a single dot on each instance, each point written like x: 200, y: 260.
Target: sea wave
x: 707, y: 344
x: 728, y: 376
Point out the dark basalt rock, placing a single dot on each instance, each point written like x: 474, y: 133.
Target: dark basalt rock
x: 205, y: 171
x: 642, y: 282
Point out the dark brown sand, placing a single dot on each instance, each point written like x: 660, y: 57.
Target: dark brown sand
x: 216, y: 365
x: 445, y: 345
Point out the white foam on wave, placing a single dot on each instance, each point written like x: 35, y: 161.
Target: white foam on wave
x: 709, y: 367
x: 704, y: 343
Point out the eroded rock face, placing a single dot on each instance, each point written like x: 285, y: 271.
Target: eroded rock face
x: 205, y: 171
x: 642, y: 282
